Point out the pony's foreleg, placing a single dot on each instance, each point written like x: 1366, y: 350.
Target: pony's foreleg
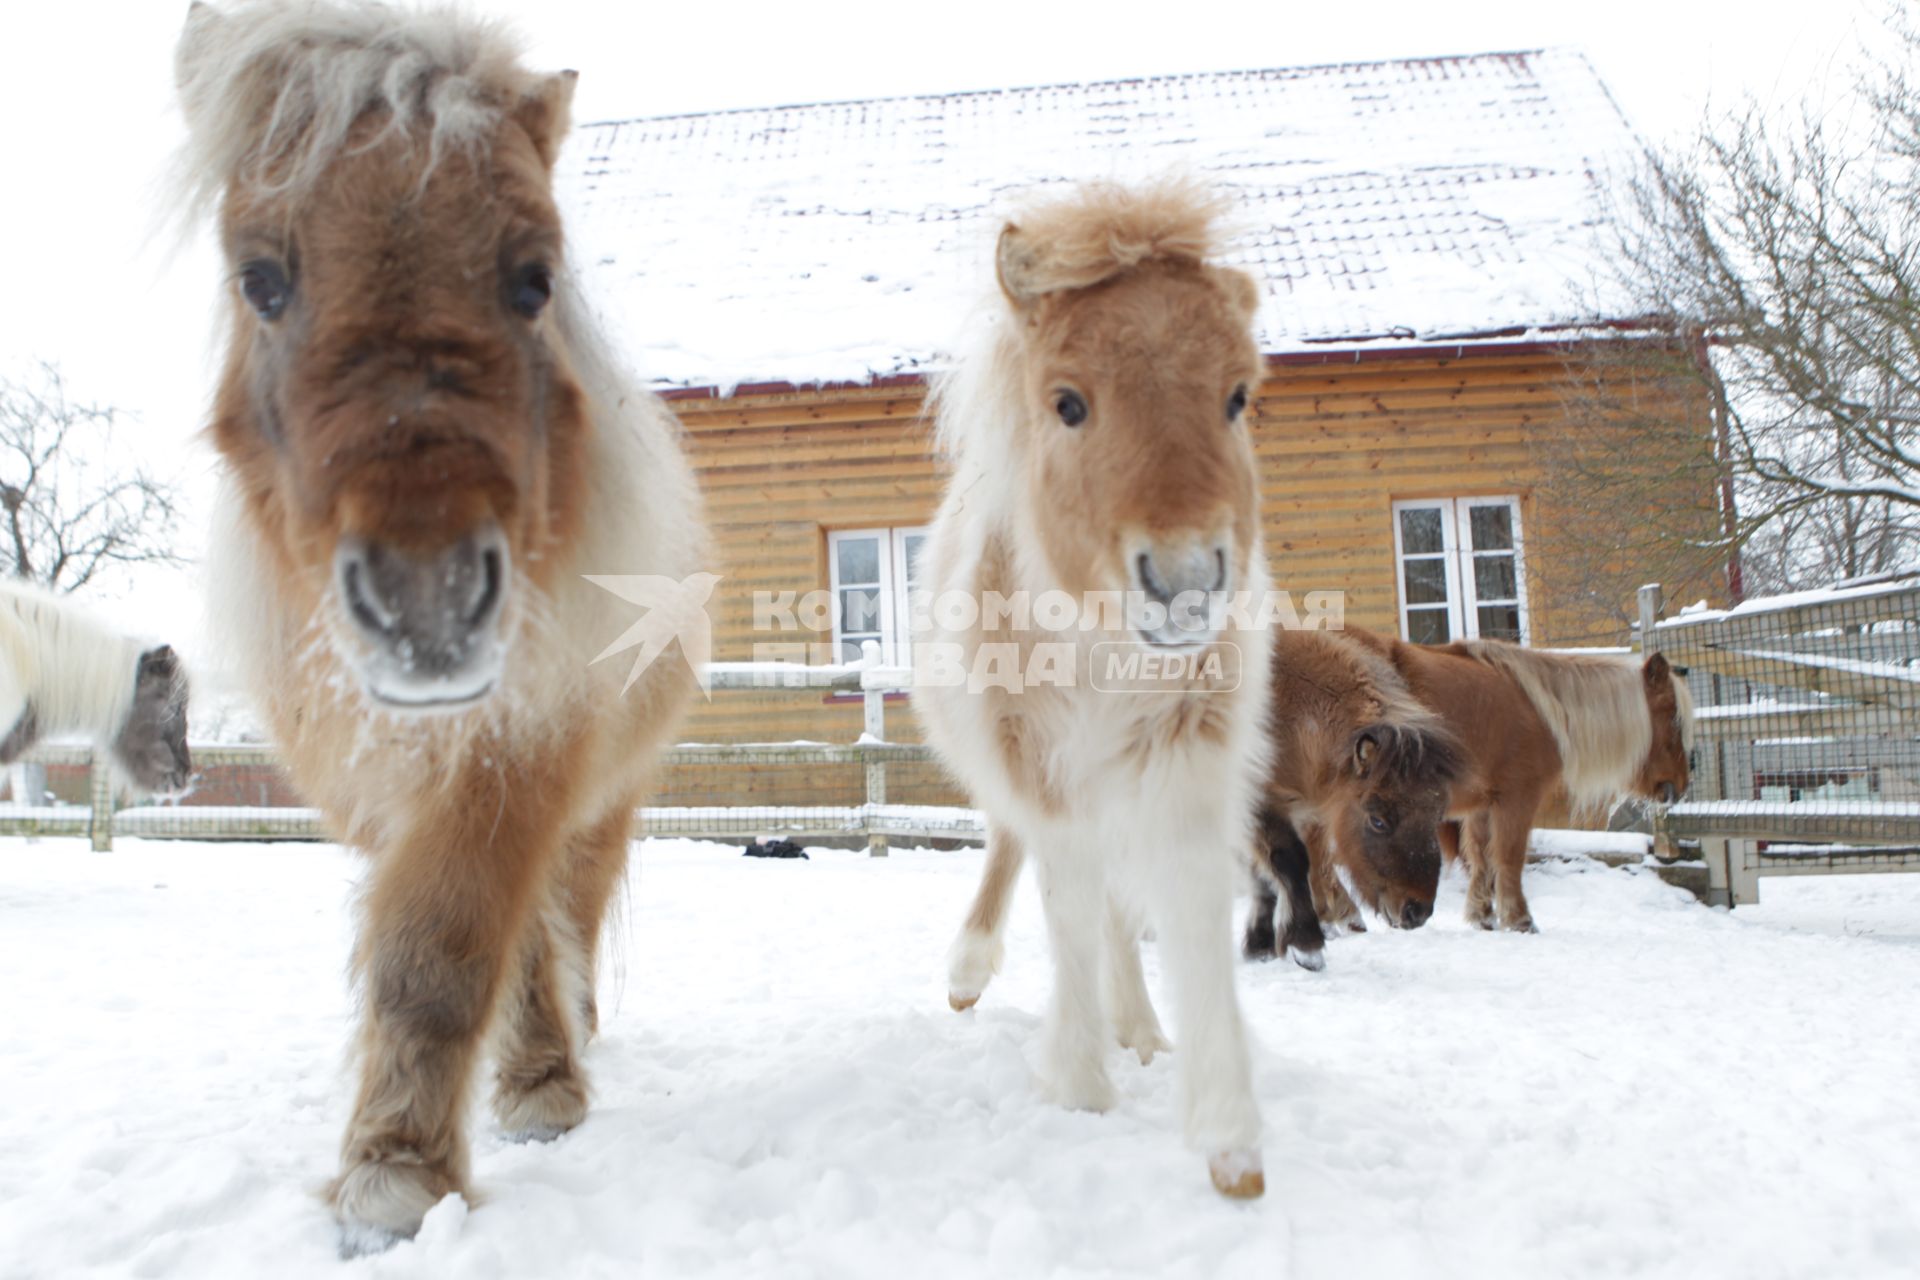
x: 976, y: 952
x: 445, y: 916
x: 1332, y: 905
x: 1193, y: 905
x: 1074, y: 893
x: 549, y: 1012
x: 1258, y: 941
x: 1300, y: 935
x: 590, y: 872
x: 1134, y: 1020
x: 1506, y: 849
x: 1474, y: 840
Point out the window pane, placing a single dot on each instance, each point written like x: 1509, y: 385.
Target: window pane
x: 1420, y: 531
x: 850, y: 648
x: 1427, y: 626
x: 1493, y: 578
x: 1500, y: 622
x: 1426, y: 581
x: 860, y: 610
x: 913, y: 541
x: 1492, y: 527
x: 859, y: 559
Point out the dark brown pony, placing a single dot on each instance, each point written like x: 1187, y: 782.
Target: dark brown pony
x: 1530, y: 723
x: 426, y: 450
x: 1361, y: 775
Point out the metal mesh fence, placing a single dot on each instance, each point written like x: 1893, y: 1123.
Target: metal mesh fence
x: 1807, y: 754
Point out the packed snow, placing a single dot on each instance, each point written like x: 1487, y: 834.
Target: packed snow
x: 1647, y: 1087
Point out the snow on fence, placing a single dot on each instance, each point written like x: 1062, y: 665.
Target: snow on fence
x: 874, y: 819
x: 1808, y: 751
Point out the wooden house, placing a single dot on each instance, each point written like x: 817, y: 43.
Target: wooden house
x: 1428, y: 234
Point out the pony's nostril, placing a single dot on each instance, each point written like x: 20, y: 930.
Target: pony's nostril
x: 1415, y: 914
x: 1150, y: 581
x: 1668, y: 793
x: 1220, y: 574
x: 362, y: 600
x: 492, y: 578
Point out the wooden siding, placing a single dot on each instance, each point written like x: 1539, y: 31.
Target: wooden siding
x: 1337, y: 443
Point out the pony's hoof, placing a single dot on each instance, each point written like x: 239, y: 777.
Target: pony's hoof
x: 971, y: 964
x: 1314, y: 960
x: 1258, y: 952
x: 1237, y: 1175
x: 380, y: 1202
x: 1083, y: 1091
x: 1145, y: 1041
x: 541, y: 1112
x: 1521, y: 926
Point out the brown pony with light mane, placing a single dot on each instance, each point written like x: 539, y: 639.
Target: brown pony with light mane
x: 1530, y: 723
x: 426, y: 449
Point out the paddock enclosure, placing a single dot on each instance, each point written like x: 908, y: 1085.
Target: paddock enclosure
x: 1645, y: 1088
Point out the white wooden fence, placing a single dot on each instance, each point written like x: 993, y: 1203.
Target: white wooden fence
x: 1808, y: 759
x: 874, y: 819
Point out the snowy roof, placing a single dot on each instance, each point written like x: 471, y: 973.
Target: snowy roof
x: 1383, y: 202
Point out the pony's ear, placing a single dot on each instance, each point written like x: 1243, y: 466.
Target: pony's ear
x: 1241, y: 288
x: 197, y: 38
x: 1655, y: 670
x: 160, y: 663
x: 546, y: 113
x: 1014, y: 263
x: 1366, y: 750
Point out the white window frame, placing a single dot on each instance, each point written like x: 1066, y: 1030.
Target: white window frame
x: 896, y: 647
x: 1456, y: 529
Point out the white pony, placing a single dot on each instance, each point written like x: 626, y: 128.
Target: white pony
x: 1100, y: 454
x: 62, y: 672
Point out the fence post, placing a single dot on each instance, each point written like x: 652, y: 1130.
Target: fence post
x: 873, y: 701
x: 1651, y: 602
x: 100, y: 780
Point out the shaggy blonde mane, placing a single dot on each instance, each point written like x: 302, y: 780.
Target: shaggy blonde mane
x: 1596, y: 707
x: 1104, y: 229
x: 272, y: 91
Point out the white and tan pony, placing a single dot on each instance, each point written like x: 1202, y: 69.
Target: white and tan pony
x: 1099, y: 448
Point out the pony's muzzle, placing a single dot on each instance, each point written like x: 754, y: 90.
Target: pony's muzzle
x: 428, y: 622
x: 1179, y: 588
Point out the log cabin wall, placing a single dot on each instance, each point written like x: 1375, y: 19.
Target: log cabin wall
x: 1338, y: 444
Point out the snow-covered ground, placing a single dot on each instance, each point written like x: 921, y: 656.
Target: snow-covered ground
x: 1646, y: 1088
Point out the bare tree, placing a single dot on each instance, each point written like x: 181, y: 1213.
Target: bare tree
x: 71, y: 508
x: 1778, y: 266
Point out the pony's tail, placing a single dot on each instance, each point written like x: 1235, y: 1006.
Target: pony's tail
x: 1594, y: 707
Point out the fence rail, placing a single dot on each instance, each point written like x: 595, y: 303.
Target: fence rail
x: 1808, y: 729
x: 874, y: 820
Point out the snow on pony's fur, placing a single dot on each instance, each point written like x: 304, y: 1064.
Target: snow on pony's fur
x: 62, y: 672
x: 1098, y: 446
x: 398, y: 400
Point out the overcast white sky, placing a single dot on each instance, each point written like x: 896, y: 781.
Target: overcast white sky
x: 85, y: 94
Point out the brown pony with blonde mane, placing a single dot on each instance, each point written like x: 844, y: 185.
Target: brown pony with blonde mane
x: 426, y: 449
x: 1100, y: 449
x: 1532, y: 723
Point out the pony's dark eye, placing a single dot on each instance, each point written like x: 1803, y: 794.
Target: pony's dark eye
x: 1071, y: 408
x: 264, y: 285
x: 1236, y: 403
x: 531, y: 289
x: 1376, y: 824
